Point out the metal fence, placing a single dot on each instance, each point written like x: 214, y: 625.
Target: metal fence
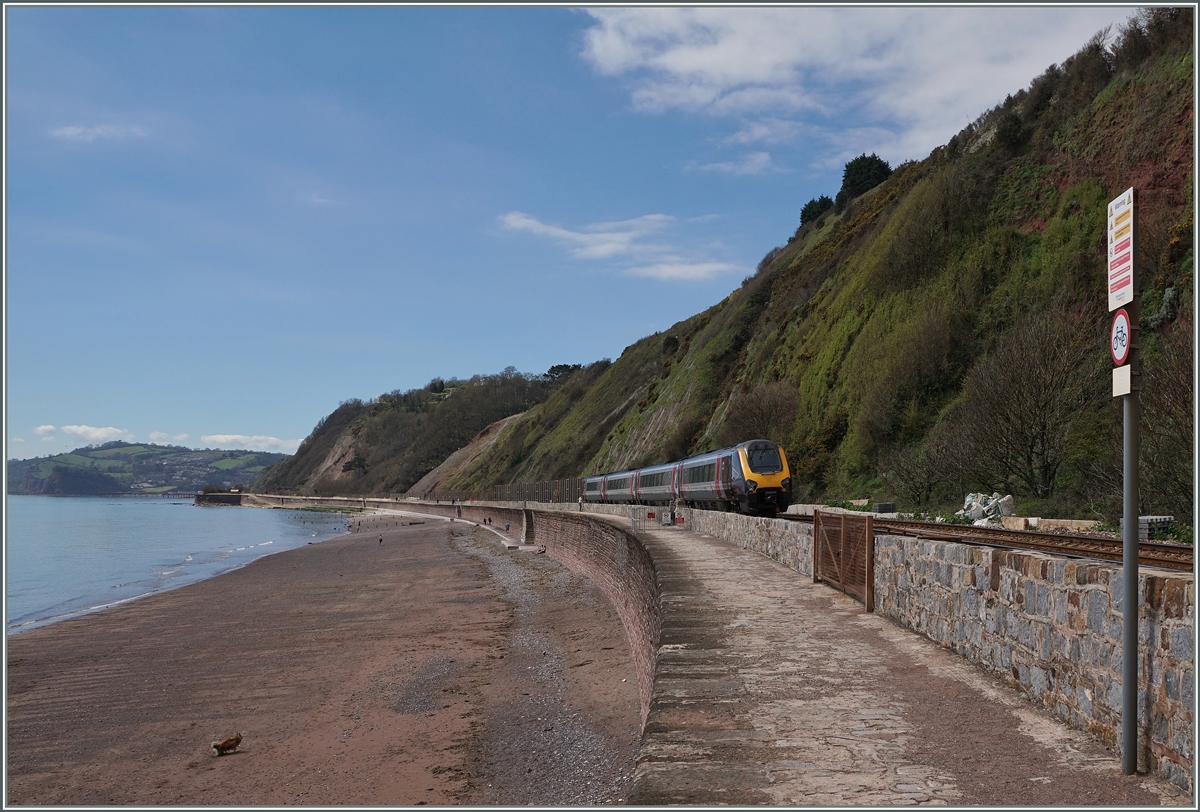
x: 556, y: 490
x: 844, y: 554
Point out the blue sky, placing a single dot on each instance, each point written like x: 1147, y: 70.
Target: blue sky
x: 223, y: 221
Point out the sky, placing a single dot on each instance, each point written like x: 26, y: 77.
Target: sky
x: 221, y: 222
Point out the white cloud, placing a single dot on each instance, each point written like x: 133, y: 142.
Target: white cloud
x: 17, y: 440
x: 159, y: 436
x: 255, y: 442
x: 597, y: 241
x: 40, y: 430
x: 918, y: 74
x: 766, y: 131
x: 91, y: 434
x: 627, y: 243
x: 49, y: 439
x: 753, y: 164
x: 686, y: 271
x: 87, y: 134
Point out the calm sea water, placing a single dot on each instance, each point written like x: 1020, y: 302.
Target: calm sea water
x: 66, y: 556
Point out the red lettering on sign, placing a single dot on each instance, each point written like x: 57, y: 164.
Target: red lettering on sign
x: 1123, y: 259
x: 1122, y: 245
x: 1120, y: 283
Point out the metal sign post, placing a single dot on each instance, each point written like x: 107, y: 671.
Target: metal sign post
x: 1123, y: 337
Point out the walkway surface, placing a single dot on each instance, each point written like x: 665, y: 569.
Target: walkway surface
x: 771, y: 689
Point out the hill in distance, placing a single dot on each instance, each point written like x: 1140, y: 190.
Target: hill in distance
x: 120, y: 467
x: 933, y: 329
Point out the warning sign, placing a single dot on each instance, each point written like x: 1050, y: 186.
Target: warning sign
x: 1120, y: 251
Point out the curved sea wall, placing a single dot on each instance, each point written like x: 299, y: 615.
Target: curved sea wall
x: 608, y: 556
x: 1046, y: 625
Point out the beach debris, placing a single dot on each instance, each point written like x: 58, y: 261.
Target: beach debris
x: 982, y: 509
x: 228, y: 745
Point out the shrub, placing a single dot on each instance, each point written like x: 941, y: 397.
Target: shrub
x: 864, y: 173
x: 814, y: 208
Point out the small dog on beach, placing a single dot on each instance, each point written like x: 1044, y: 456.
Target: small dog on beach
x: 227, y: 745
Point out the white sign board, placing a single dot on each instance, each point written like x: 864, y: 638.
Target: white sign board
x: 1120, y: 250
x: 1122, y: 381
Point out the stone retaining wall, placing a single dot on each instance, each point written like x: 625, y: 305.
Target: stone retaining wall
x: 1052, y: 627
x: 785, y: 541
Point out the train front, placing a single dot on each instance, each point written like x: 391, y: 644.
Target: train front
x: 768, y: 482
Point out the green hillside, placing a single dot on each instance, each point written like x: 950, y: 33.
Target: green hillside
x: 119, y: 467
x: 386, y: 445
x: 942, y: 331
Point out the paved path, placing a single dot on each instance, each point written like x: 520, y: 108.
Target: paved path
x: 773, y: 690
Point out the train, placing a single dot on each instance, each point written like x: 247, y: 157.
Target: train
x: 750, y: 477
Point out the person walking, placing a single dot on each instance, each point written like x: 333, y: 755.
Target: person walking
x: 381, y: 539
x: 581, y: 504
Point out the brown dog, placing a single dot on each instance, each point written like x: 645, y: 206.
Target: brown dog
x: 227, y: 745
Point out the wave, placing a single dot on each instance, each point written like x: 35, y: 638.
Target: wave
x: 39, y: 621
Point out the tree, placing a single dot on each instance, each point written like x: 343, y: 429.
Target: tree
x: 1011, y: 429
x: 560, y: 372
x: 1167, y: 402
x: 814, y: 208
x: 863, y: 174
x: 916, y: 471
x: 766, y: 412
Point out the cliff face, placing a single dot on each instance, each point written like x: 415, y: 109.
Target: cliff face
x: 863, y: 343
x: 888, y: 344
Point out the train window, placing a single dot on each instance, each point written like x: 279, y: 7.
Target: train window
x: 593, y: 486
x: 617, y: 484
x: 764, y: 460
x: 652, y: 480
x: 701, y: 473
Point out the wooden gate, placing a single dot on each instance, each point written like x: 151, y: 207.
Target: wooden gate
x: 844, y: 554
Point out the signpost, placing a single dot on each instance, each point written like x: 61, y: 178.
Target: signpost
x: 1122, y: 297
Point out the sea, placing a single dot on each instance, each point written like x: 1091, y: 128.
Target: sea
x: 70, y: 555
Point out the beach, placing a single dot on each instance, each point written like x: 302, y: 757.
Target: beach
x: 402, y: 664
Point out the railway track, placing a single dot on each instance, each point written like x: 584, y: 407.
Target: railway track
x: 1150, y: 553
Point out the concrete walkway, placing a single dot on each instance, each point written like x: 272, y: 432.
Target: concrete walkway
x: 773, y: 690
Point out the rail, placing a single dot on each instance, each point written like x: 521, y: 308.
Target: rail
x: 1150, y: 553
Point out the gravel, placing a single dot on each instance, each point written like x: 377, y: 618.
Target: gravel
x: 535, y: 748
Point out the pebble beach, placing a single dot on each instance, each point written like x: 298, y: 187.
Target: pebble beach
x: 430, y: 668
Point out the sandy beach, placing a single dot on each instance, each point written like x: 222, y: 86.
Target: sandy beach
x: 430, y: 668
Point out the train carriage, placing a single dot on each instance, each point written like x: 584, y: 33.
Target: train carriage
x: 751, y: 477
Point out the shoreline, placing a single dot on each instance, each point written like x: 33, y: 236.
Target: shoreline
x: 102, y: 605
x: 433, y: 668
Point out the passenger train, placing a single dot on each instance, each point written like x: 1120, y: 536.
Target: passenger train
x: 750, y: 477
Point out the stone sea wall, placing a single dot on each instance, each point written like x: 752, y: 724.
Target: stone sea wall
x: 608, y: 556
x: 617, y: 563
x: 1052, y: 627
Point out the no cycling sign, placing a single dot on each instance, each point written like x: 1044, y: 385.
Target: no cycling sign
x: 1119, y: 337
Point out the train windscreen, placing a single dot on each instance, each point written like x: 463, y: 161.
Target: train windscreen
x: 764, y: 460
